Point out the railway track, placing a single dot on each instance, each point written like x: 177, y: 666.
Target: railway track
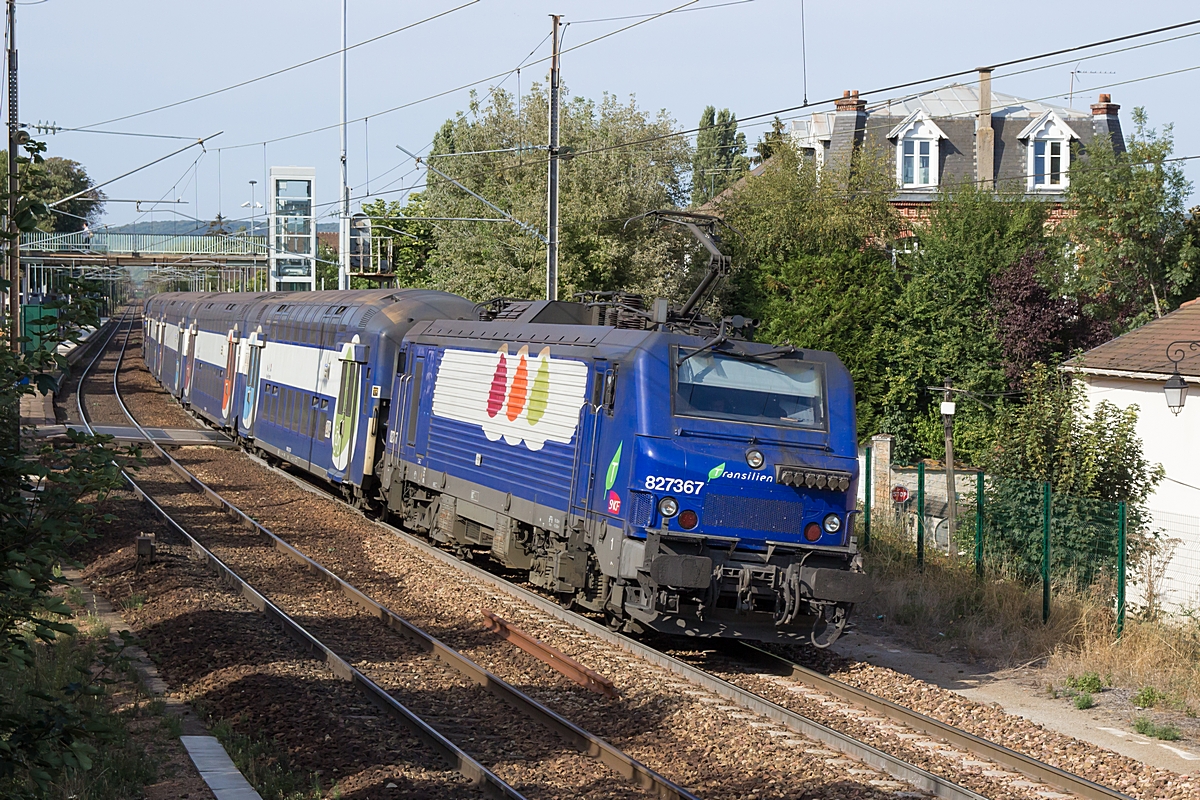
x: 929, y: 782
x: 424, y: 653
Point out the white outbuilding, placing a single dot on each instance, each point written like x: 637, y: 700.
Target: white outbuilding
x: 1134, y: 370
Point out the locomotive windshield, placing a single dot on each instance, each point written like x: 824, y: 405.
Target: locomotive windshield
x: 781, y: 391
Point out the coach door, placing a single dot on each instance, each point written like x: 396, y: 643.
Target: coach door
x: 232, y: 347
x: 189, y: 364
x: 349, y: 403
x: 250, y: 396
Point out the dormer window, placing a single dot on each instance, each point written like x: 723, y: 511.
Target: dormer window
x: 917, y: 139
x: 1048, y: 145
x: 1049, y: 164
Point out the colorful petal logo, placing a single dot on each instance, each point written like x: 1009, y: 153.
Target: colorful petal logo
x: 526, y: 398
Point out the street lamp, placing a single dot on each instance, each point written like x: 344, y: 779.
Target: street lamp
x: 1176, y: 387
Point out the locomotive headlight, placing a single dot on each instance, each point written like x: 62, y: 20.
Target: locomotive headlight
x: 755, y: 459
x: 832, y: 523
x: 668, y: 507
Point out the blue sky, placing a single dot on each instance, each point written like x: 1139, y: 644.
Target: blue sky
x: 83, y: 62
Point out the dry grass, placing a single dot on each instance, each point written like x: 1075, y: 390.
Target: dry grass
x: 945, y: 609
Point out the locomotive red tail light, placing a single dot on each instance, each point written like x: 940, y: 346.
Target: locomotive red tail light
x: 812, y: 531
x: 688, y: 519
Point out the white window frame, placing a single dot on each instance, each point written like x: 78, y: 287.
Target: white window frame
x: 1042, y: 137
x: 921, y: 133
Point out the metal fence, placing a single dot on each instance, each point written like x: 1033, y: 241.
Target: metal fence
x: 1015, y: 529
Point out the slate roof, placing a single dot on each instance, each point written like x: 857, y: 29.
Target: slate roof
x: 959, y: 100
x: 1144, y: 350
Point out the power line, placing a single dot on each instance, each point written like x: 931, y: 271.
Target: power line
x: 640, y: 16
x: 907, y: 84
x: 465, y: 85
x: 240, y: 84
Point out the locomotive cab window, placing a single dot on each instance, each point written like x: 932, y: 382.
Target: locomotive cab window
x: 778, y: 391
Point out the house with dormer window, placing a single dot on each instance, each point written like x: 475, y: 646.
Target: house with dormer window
x: 960, y: 133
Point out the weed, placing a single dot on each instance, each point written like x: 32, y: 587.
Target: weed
x: 75, y: 596
x: 1084, y: 700
x: 1148, y: 697
x: 120, y: 767
x: 1088, y: 682
x: 263, y: 763
x: 157, y: 706
x: 93, y: 627
x: 134, y: 602
x: 173, y: 724
x: 1147, y: 727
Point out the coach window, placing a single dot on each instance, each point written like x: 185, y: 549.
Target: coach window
x: 414, y: 403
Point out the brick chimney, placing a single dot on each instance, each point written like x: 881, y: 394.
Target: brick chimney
x: 985, y: 136
x: 849, y: 124
x: 849, y: 102
x: 1106, y: 122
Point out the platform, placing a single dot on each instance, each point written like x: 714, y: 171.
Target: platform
x: 127, y: 434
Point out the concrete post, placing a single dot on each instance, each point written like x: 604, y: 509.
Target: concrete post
x: 881, y: 472
x: 985, y: 137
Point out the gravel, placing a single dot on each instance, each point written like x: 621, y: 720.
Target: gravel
x: 670, y: 725
x: 678, y: 729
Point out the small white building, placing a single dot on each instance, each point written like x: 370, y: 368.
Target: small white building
x: 1132, y: 370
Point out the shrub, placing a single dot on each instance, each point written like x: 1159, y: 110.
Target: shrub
x: 1084, y: 700
x: 1147, y: 727
x: 1088, y: 682
x: 1148, y: 697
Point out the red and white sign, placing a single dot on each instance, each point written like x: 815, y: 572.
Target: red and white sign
x: 899, y: 494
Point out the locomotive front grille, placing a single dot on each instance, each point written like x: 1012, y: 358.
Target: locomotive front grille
x: 641, y: 507
x: 735, y: 511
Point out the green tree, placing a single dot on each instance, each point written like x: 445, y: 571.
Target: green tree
x: 409, y: 244
x: 49, y: 496
x: 720, y: 157
x: 1092, y: 461
x: 812, y: 266
x: 770, y: 143
x: 599, y: 190
x: 1131, y: 249
x: 53, y: 179
x: 944, y: 326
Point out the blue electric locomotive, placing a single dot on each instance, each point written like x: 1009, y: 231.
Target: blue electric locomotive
x: 690, y: 484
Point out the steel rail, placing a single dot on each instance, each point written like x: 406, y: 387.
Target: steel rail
x: 584, y: 741
x: 1013, y: 759
x: 584, y: 676
x: 892, y: 765
x: 924, y: 780
x: 463, y: 763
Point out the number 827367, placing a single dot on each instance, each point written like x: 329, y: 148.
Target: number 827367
x: 657, y: 483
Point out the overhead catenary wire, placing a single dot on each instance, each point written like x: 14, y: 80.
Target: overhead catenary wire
x: 912, y: 83
x: 273, y: 74
x: 199, y: 142
x: 461, y: 87
x: 651, y: 140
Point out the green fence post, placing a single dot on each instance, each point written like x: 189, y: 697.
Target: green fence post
x: 1046, y: 552
x: 921, y: 515
x: 866, y: 542
x: 1120, y: 567
x: 979, y: 524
